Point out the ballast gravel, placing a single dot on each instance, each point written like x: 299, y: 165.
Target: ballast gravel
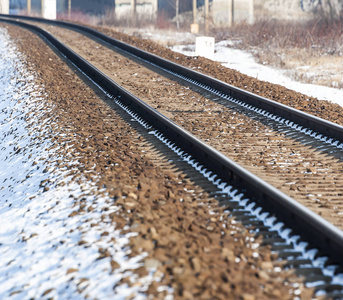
x: 193, y: 248
x: 310, y: 174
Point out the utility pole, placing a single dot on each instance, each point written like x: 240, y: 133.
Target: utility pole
x: 207, y: 4
x: 177, y: 15
x: 231, y: 13
x: 28, y: 7
x: 69, y: 9
x: 133, y: 12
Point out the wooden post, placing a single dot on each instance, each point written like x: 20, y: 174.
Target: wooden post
x: 28, y: 7
x: 195, y: 25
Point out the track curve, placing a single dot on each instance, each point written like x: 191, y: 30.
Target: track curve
x: 224, y: 167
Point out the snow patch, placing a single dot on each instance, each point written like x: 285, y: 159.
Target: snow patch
x: 245, y: 63
x: 49, y: 248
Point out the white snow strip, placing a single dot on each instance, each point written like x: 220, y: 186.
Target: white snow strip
x: 245, y: 63
x: 41, y: 255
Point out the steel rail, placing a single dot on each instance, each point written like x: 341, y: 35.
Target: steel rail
x: 310, y: 226
x: 301, y: 118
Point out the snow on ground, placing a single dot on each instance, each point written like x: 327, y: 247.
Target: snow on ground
x: 41, y: 255
x: 245, y: 63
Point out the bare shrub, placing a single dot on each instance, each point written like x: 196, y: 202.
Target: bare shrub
x: 163, y: 21
x: 320, y: 34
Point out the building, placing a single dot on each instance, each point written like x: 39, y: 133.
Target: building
x: 143, y: 8
x: 221, y: 13
x: 227, y: 12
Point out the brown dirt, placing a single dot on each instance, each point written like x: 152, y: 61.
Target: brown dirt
x: 202, y: 256
x: 311, y: 177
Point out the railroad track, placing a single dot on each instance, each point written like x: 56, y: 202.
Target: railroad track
x: 224, y: 172
x: 277, y: 158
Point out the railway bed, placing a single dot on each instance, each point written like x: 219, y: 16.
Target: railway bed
x: 304, y: 164
x: 224, y: 195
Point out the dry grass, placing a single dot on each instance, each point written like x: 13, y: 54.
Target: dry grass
x: 311, y: 51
